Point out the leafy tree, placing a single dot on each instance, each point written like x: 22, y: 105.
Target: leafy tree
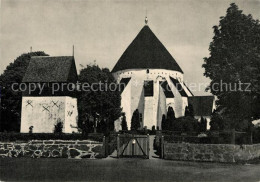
x: 189, y: 111
x: 186, y: 124
x: 124, y: 123
x: 135, y: 122
x: 170, y: 118
x: 11, y: 100
x: 99, y: 102
x: 102, y: 126
x: 203, y: 124
x: 163, y: 124
x: 216, y: 122
x: 234, y: 59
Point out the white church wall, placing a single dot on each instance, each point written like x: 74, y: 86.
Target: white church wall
x: 184, y: 104
x: 71, y: 115
x: 149, y: 119
x: 148, y: 106
x: 126, y: 103
x: 43, y: 113
x: 178, y: 100
x: 161, y: 107
x: 137, y: 95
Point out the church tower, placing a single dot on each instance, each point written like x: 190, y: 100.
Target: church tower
x: 153, y: 80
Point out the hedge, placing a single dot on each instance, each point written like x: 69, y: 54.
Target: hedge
x: 4, y: 137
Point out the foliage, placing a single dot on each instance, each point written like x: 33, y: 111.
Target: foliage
x: 11, y: 101
x: 234, y: 59
x: 216, y: 122
x: 58, y: 127
x: 189, y: 111
x: 186, y: 124
x: 163, y: 123
x: 124, y: 123
x: 4, y: 136
x: 153, y: 128
x: 135, y: 121
x: 102, y: 126
x: 256, y: 135
x: 170, y: 117
x: 98, y: 103
x: 203, y: 124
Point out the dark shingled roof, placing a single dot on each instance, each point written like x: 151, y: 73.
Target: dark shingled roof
x: 123, y: 83
x: 179, y: 87
x: 51, y: 69
x: 146, y: 51
x: 166, y: 89
x: 202, y: 105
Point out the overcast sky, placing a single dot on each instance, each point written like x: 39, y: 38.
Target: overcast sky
x: 101, y: 30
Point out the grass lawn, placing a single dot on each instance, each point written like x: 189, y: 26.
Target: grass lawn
x: 13, y: 169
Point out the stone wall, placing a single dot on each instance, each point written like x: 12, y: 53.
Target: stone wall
x: 211, y: 152
x: 53, y: 149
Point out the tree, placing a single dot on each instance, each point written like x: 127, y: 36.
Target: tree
x: 234, y: 68
x: 124, y: 123
x: 170, y: 118
x: 98, y: 97
x: 11, y: 101
x: 189, y: 111
x: 216, y: 122
x: 203, y: 124
x: 186, y: 124
x: 102, y: 126
x: 135, y: 122
x: 163, y: 124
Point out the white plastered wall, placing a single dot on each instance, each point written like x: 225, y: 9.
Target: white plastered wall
x: 132, y: 97
x: 43, y: 113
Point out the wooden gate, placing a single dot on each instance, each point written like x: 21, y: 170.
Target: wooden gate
x: 129, y: 145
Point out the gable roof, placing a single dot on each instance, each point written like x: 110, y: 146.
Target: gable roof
x: 146, y: 52
x: 51, y: 69
x: 202, y: 105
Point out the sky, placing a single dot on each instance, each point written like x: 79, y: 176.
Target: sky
x: 101, y: 30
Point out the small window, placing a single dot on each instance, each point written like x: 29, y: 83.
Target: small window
x: 147, y: 71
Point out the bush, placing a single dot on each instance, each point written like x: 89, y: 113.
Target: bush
x: 186, y: 124
x: 4, y: 137
x: 58, y: 127
x: 256, y: 135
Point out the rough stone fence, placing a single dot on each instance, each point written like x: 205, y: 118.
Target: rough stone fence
x: 229, y: 153
x: 54, y: 149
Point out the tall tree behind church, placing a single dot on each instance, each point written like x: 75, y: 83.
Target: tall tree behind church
x: 11, y: 100
x: 98, y: 102
x: 234, y: 58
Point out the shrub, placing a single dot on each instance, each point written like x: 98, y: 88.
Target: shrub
x: 58, y: 127
x: 4, y: 137
x: 186, y: 124
x: 124, y: 123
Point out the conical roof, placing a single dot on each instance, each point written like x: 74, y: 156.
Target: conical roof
x: 146, y: 52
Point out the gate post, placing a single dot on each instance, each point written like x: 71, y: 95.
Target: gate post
x: 118, y: 147
x: 104, y: 147
x: 162, y: 147
x: 148, y: 146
